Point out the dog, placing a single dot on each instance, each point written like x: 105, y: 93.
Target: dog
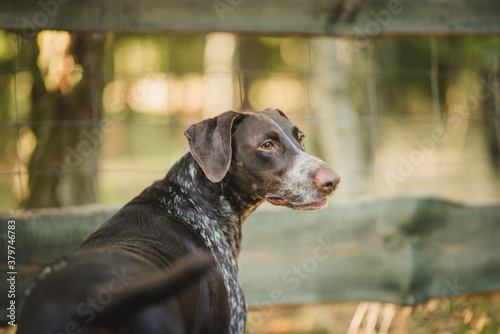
x: 167, y: 261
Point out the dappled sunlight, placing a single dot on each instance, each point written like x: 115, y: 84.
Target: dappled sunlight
x: 114, y: 97
x: 190, y: 97
x: 219, y: 52
x: 26, y: 144
x: 136, y: 56
x: 186, y: 94
x: 280, y: 92
x: 8, y: 49
x: 295, y: 53
x: 218, y: 78
x: 149, y: 95
x: 58, y: 68
x: 155, y: 94
x: 22, y: 85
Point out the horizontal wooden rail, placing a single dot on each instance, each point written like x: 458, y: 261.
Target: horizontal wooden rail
x: 403, y: 250
x: 354, y: 18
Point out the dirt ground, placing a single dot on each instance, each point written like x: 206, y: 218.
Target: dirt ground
x: 465, y: 314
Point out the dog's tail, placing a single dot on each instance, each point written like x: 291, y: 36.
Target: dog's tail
x: 155, y: 289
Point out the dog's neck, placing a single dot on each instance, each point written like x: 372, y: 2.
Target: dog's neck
x: 225, y: 208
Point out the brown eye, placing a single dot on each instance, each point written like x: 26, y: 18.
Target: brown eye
x: 267, y: 146
x: 301, y: 139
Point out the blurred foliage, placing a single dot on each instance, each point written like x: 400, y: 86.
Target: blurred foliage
x: 156, y: 84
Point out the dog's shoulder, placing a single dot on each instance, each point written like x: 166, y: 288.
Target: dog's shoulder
x: 149, y: 231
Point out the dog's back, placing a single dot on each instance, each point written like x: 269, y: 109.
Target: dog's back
x: 111, y: 291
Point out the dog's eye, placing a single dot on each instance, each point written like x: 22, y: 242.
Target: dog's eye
x: 301, y: 139
x: 267, y: 146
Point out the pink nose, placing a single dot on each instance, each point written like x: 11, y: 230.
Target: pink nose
x: 327, y: 180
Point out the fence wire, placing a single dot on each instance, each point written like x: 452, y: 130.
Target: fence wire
x: 103, y: 115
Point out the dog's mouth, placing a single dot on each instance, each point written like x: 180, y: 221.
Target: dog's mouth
x: 280, y: 201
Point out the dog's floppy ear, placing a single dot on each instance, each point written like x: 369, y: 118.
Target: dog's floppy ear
x: 210, y: 144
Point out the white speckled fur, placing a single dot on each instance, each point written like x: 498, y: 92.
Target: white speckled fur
x: 182, y: 206
x: 297, y: 180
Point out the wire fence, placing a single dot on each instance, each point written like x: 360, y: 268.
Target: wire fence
x: 97, y: 117
x: 390, y: 115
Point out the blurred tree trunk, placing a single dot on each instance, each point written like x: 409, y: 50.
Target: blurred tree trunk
x: 253, y: 59
x: 65, y: 120
x: 341, y: 135
x: 493, y: 132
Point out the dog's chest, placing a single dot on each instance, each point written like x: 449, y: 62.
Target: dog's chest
x: 228, y: 266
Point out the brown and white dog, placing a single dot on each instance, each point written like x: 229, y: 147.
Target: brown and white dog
x: 167, y: 261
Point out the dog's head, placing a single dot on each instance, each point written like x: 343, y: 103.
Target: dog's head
x: 263, y: 155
